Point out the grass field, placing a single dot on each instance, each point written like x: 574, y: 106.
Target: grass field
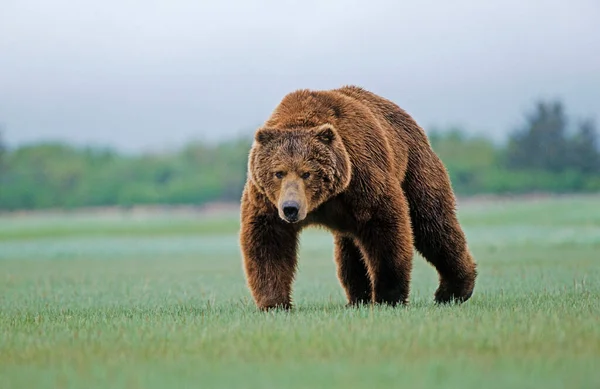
x: 157, y: 301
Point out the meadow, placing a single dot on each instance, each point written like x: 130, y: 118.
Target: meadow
x: 154, y: 300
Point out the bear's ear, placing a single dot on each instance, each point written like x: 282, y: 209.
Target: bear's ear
x: 326, y: 134
x: 265, y: 135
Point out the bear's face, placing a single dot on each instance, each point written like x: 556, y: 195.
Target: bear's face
x: 299, y: 169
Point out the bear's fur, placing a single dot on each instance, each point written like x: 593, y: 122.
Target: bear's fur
x: 360, y: 166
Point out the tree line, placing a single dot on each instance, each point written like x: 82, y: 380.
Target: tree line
x: 549, y: 153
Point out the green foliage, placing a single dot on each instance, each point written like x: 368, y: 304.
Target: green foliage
x: 57, y: 175
x: 468, y: 159
x: 543, y: 156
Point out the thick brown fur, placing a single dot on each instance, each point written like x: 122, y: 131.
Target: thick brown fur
x: 360, y: 166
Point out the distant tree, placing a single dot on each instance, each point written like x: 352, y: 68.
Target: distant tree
x: 3, y: 150
x: 2, y: 144
x: 584, y: 154
x: 542, y: 144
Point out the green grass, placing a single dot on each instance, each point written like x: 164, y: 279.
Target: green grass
x: 155, y: 302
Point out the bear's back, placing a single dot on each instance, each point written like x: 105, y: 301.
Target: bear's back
x: 376, y: 131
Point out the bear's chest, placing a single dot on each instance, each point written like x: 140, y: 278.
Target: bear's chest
x: 335, y: 215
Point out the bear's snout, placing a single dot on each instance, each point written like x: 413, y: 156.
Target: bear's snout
x: 292, y: 203
x: 290, y: 210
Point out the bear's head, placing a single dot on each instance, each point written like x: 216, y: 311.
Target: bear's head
x: 299, y: 168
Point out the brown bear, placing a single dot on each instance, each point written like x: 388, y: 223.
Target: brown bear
x: 360, y: 166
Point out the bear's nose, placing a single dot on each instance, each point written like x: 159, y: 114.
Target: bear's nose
x: 290, y: 210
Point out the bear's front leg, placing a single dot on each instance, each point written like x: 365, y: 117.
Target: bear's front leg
x: 269, y: 248
x: 387, y: 244
x: 352, y: 271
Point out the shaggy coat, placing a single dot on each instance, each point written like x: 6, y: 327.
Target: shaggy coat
x: 360, y: 166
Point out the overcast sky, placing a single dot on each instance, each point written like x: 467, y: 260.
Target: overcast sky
x: 151, y: 74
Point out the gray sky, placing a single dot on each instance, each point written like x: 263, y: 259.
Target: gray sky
x: 149, y: 74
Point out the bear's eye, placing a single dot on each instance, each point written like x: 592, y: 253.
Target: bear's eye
x: 305, y: 175
x: 279, y: 174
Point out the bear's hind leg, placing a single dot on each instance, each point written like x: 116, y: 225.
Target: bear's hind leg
x: 437, y: 233
x: 352, y: 271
